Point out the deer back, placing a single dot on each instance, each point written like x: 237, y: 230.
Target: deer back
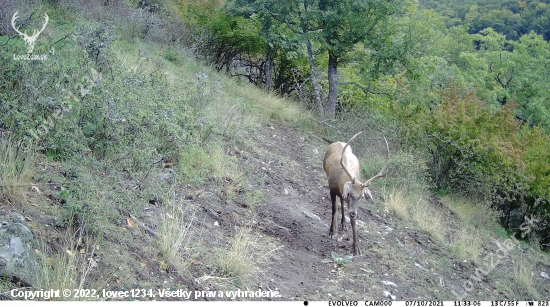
x: 337, y: 177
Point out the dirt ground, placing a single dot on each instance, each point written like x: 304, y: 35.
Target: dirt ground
x: 396, y: 256
x: 297, y: 214
x: 291, y: 233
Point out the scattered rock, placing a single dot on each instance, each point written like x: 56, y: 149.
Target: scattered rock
x: 544, y: 275
x: 421, y: 267
x: 92, y: 262
x: 367, y: 270
x: 16, y: 260
x: 389, y: 283
x: 357, y: 221
x: 389, y: 295
x: 311, y: 215
x: 165, y: 176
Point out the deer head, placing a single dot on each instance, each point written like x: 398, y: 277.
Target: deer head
x: 354, y: 190
x: 29, y: 40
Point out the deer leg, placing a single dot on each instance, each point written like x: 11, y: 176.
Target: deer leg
x: 343, y: 222
x: 356, y: 249
x: 333, y: 224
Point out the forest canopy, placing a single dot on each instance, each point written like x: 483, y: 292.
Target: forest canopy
x: 513, y: 18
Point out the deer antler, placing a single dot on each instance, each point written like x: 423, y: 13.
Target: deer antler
x: 342, y: 158
x: 14, y: 27
x: 382, y: 172
x: 43, y: 27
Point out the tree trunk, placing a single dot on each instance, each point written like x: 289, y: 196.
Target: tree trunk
x: 332, y: 85
x: 269, y: 69
x: 314, y: 82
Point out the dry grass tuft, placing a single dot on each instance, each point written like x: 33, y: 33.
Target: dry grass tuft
x: 67, y: 269
x: 471, y: 212
x: 399, y: 203
x: 429, y: 219
x: 267, y: 106
x: 16, y: 170
x: 467, y: 244
x: 57, y: 271
x: 411, y: 204
x: 174, y: 234
x: 524, y: 276
x: 237, y: 261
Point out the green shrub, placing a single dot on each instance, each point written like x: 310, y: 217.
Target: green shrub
x: 170, y: 54
x: 195, y: 164
x: 233, y: 36
x: 474, y: 150
x: 537, y: 160
x: 487, y: 155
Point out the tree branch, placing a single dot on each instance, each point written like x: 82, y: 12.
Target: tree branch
x: 6, y: 41
x: 365, y: 90
x: 59, y: 40
x: 348, y: 60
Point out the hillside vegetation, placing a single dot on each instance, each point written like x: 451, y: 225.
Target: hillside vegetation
x: 511, y: 18
x: 474, y: 105
x: 179, y: 145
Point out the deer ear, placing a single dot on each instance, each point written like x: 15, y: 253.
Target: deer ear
x: 347, y: 189
x: 368, y: 195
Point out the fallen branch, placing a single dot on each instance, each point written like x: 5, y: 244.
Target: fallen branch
x: 141, y: 224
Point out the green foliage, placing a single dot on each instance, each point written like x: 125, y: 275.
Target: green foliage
x: 170, y: 54
x: 537, y: 162
x: 194, y: 13
x: 483, y: 153
x: 514, y: 71
x: 233, y: 36
x: 337, y: 259
x: 513, y: 18
x: 108, y: 120
x: 473, y: 149
x: 195, y: 164
x: 346, y: 23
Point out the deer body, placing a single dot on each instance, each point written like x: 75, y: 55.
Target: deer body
x: 331, y: 163
x: 342, y: 168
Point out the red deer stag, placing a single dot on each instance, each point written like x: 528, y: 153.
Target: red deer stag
x: 342, y: 168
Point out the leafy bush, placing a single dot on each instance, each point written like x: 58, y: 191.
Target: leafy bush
x: 233, y: 36
x: 473, y: 149
x: 195, y: 164
x: 488, y: 155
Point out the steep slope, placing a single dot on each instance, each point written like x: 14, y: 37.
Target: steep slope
x: 169, y: 175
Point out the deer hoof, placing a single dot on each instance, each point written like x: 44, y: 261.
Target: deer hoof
x: 332, y: 233
x: 356, y: 251
x: 344, y: 226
